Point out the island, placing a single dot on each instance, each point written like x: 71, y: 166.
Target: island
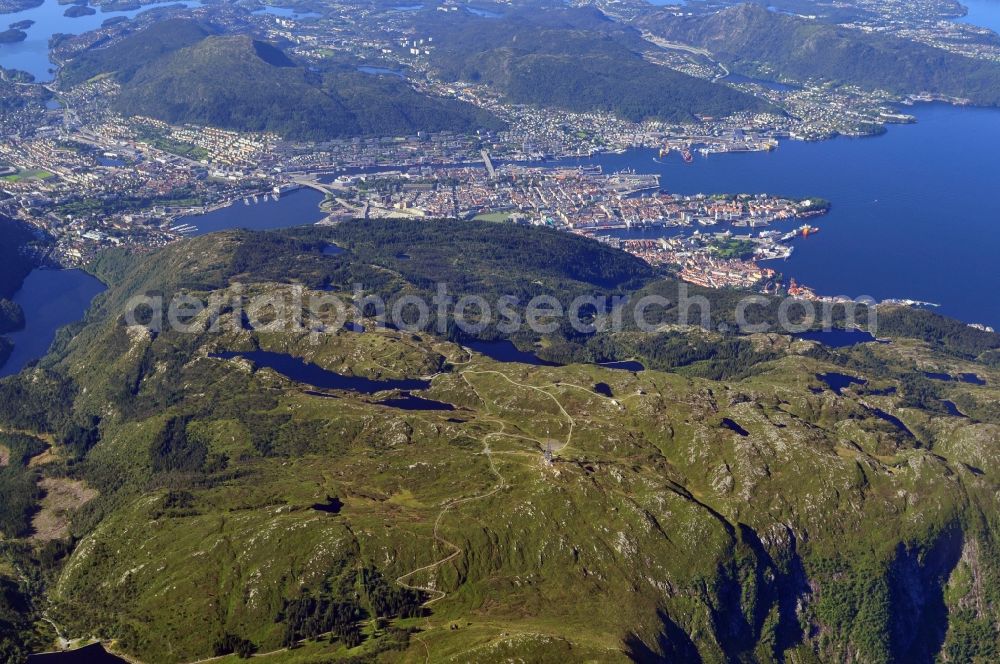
x: 76, y: 11
x: 21, y: 25
x: 12, y: 36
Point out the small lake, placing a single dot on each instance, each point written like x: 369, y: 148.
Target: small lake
x: 333, y: 505
x: 92, y: 654
x: 506, y: 351
x: 51, y: 299
x: 305, y: 372
x: 837, y: 338
x: 839, y: 382
x: 286, y: 12
x: 407, y: 401
x: 734, y: 427
x: 380, y: 71
x: 952, y: 409
x: 891, y: 419
x: 969, y: 378
x: 296, y: 208
x: 32, y: 54
x: 624, y: 365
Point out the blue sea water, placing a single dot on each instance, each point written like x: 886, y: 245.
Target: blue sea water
x: 32, y: 55
x: 914, y: 214
x: 985, y: 13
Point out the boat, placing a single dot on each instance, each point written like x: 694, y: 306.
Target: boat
x: 688, y: 157
x: 808, y: 230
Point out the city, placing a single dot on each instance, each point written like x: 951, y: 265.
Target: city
x: 493, y: 331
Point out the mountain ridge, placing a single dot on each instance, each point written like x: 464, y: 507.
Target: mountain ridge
x: 754, y: 40
x: 765, y: 516
x: 181, y: 71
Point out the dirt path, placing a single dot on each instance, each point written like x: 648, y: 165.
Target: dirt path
x: 456, y: 550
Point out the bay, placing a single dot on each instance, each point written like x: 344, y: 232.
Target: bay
x: 32, y: 54
x: 51, y: 299
x: 914, y: 211
x: 294, y: 208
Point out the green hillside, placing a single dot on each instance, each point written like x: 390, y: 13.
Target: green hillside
x: 179, y: 72
x: 131, y: 52
x: 577, y: 60
x: 762, y: 517
x: 757, y: 41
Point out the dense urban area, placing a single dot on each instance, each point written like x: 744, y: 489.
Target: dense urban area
x: 92, y: 174
x: 92, y: 177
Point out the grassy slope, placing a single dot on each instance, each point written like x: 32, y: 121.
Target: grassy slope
x: 657, y: 529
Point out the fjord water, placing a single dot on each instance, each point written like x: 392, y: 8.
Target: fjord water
x: 32, y: 54
x: 51, y: 299
x: 296, y: 208
x: 984, y: 13
x: 915, y: 212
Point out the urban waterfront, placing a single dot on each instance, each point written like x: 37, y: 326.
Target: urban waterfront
x: 911, y: 215
x: 292, y: 209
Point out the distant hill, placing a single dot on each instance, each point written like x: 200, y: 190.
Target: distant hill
x: 577, y: 60
x: 125, y: 57
x: 180, y: 71
x: 754, y: 40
